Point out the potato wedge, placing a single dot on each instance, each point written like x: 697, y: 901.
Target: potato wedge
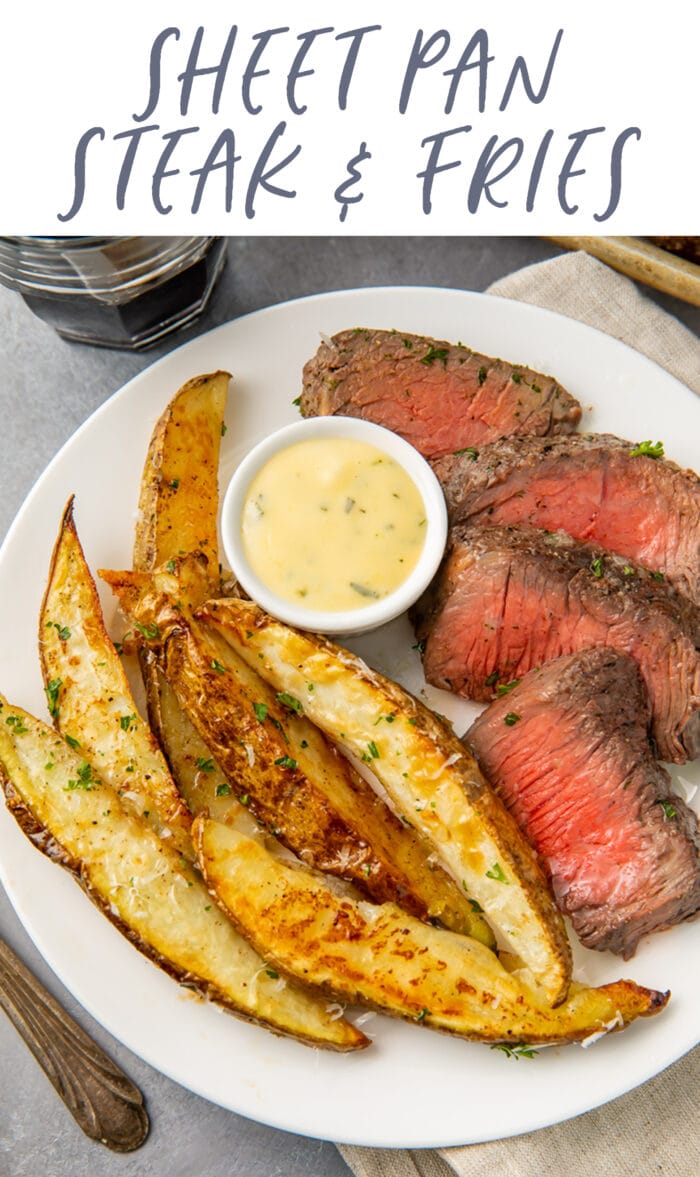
x: 89, y: 696
x: 141, y: 885
x: 294, y: 781
x: 178, y: 511
x: 379, y: 956
x: 179, y: 488
x: 431, y: 778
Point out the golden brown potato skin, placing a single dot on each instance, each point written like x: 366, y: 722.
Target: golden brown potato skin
x: 142, y: 884
x: 178, y: 511
x: 89, y: 694
x: 379, y: 956
x: 293, y: 780
x: 432, y: 779
x: 178, y: 502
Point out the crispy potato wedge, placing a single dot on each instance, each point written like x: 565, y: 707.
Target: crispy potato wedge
x: 178, y: 510
x: 379, y: 956
x: 89, y: 696
x: 293, y: 780
x: 179, y: 487
x: 431, y: 778
x: 142, y: 886
x: 201, y: 788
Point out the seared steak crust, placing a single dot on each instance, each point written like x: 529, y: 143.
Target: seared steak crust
x: 439, y: 396
x: 593, y: 486
x: 508, y: 599
x: 567, y: 749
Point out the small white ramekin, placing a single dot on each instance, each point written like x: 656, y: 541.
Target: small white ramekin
x: 375, y: 613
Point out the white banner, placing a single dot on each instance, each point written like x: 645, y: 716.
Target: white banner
x: 374, y: 117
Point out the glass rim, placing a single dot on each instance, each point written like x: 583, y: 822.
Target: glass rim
x: 43, y: 264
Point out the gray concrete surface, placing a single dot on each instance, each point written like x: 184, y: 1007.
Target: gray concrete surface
x: 47, y: 388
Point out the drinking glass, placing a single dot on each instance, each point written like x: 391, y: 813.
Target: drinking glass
x: 125, y: 292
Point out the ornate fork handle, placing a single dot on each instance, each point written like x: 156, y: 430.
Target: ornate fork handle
x: 106, y: 1104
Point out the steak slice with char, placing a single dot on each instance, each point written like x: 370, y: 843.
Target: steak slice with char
x: 506, y: 600
x: 439, y: 396
x: 593, y: 486
x: 568, y: 752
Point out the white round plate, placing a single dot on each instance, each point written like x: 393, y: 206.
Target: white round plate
x: 412, y: 1088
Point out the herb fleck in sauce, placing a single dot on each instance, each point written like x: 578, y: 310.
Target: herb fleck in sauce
x: 333, y: 521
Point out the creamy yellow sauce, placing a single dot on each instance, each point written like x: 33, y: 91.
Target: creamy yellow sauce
x: 333, y: 524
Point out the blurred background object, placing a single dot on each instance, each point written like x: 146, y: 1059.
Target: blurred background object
x: 669, y: 264
x: 125, y: 292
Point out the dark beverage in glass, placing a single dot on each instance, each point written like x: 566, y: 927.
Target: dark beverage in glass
x: 125, y: 292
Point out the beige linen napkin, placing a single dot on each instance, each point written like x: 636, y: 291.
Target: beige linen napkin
x: 653, y: 1130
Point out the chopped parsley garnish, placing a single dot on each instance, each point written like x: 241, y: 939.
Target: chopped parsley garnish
x: 504, y: 687
x: 473, y: 454
x: 475, y: 906
x: 272, y: 973
x: 217, y: 667
x: 52, y: 688
x: 517, y: 1050
x: 174, y: 483
x: 387, y: 718
x: 72, y: 742
x: 150, y: 631
x: 657, y: 576
x: 669, y: 810
x: 170, y: 566
x: 648, y: 449
x: 628, y: 570
x: 419, y: 646
x: 516, y: 378
x: 260, y: 710
x: 492, y: 679
x: 126, y: 722
x: 276, y: 723
x: 289, y: 702
x: 205, y: 764
x: 297, y: 401
x: 433, y: 354
x: 423, y: 1013
x: 496, y: 873
x: 85, y: 779
x: 482, y: 376
x: 222, y: 790
x: 62, y: 630
x: 373, y: 750
x: 363, y: 590
x: 597, y: 566
x: 286, y: 762
x: 511, y: 719
x: 224, y: 429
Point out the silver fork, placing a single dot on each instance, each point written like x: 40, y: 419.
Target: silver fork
x: 102, y: 1099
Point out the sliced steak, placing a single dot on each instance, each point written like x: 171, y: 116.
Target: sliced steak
x: 596, y: 487
x: 439, y: 396
x: 509, y: 599
x: 567, y: 749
